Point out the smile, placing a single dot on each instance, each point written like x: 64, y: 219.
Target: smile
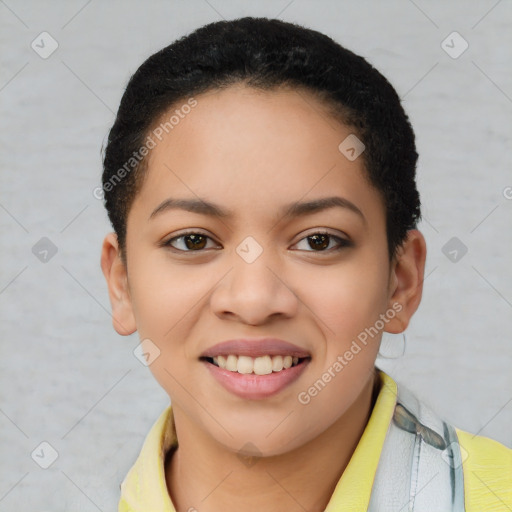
x: 255, y: 378
x: 262, y: 365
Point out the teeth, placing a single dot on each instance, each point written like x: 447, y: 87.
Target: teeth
x: 277, y: 363
x: 231, y: 363
x: 245, y: 364
x: 263, y: 365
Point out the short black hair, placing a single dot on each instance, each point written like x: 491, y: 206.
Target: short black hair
x: 266, y: 54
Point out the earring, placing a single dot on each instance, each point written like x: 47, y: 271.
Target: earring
x: 392, y: 346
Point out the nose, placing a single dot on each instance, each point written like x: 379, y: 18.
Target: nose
x: 254, y: 292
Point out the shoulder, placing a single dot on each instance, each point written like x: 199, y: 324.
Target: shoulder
x: 144, y: 487
x: 487, y: 469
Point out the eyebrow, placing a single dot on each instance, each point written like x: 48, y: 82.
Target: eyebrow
x: 296, y: 209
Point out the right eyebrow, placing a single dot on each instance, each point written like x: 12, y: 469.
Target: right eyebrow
x: 191, y: 205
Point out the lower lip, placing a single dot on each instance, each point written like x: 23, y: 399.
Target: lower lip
x: 256, y: 387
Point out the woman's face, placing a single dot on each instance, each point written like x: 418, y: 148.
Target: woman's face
x: 257, y: 272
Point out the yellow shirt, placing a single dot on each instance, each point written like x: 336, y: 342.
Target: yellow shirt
x: 487, y: 468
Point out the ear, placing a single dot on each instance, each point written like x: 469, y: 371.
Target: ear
x: 115, y: 273
x: 406, y: 281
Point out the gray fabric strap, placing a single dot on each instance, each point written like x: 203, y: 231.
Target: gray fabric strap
x: 420, y: 469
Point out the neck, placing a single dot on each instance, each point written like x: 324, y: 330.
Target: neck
x: 202, y: 478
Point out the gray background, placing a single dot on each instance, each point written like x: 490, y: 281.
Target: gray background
x: 69, y: 379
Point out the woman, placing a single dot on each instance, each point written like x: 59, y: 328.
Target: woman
x: 260, y: 180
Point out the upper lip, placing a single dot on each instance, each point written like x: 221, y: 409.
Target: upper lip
x: 256, y: 347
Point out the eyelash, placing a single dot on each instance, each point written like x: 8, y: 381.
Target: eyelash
x: 342, y: 242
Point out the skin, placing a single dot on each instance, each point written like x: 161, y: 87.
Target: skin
x: 253, y: 152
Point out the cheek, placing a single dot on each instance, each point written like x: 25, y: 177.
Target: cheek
x: 164, y: 296
x: 166, y: 301
x: 347, y: 299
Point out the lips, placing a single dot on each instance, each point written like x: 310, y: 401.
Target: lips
x: 255, y: 347
x: 255, y: 368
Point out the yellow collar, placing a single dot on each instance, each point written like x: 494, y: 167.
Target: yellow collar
x: 144, y: 489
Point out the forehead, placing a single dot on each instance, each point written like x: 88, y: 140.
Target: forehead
x: 251, y: 147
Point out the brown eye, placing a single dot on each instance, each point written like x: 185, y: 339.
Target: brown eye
x: 195, y: 241
x: 320, y: 242
x: 192, y: 242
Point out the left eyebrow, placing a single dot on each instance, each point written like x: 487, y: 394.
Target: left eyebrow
x: 306, y: 208
x: 296, y: 209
